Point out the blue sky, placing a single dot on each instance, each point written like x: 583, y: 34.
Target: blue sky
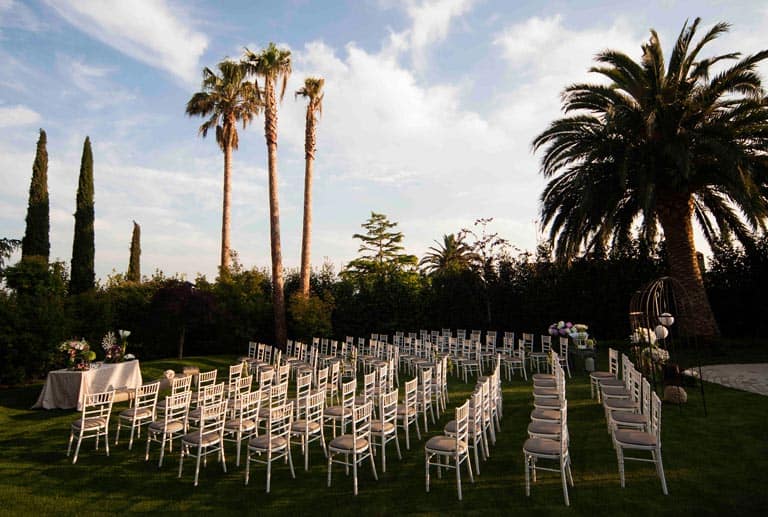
x: 430, y: 109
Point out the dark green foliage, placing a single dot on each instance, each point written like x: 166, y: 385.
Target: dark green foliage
x: 310, y: 316
x: 33, y: 319
x: 134, y: 264
x: 82, y: 274
x: 36, y: 242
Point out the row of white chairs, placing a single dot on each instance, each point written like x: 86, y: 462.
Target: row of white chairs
x: 632, y: 413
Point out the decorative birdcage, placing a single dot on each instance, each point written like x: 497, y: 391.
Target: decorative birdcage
x: 659, y: 318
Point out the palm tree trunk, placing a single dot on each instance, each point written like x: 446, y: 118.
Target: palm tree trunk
x: 225, y: 217
x: 278, y: 292
x: 675, y: 212
x: 306, y: 236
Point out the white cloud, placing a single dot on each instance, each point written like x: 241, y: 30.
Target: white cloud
x: 19, y: 16
x: 150, y: 31
x: 18, y: 115
x: 430, y: 23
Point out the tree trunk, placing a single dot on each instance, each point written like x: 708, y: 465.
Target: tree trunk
x: 675, y: 212
x: 306, y: 236
x: 225, y: 217
x: 278, y: 293
x: 182, y: 335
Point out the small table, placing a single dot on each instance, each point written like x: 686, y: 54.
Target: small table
x: 66, y: 389
x: 582, y: 353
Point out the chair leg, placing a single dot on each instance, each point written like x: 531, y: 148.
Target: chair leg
x: 426, y: 469
x: 77, y: 448
x: 620, y: 460
x: 330, y: 463
x: 660, y: 470
x: 117, y: 433
x: 290, y: 461
x: 354, y: 470
x: 397, y: 445
x: 458, y: 474
x: 527, y: 475
x: 69, y: 445
x: 565, y: 483
x: 373, y: 464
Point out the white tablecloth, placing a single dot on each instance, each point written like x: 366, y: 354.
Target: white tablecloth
x: 65, y: 389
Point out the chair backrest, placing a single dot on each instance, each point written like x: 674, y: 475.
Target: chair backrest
x: 527, y: 342
x: 462, y: 423
x: 249, y: 406
x: 206, y: 378
x: 181, y: 383
x: 348, y: 393
x: 564, y: 348
x: 146, y: 396
x: 314, y: 408
x: 266, y: 376
x: 654, y: 418
x: 425, y: 379
x: 361, y: 421
x: 289, y: 347
x: 177, y: 407
x: 303, y: 386
x: 411, y: 393
x: 98, y: 405
x: 210, y: 394
x: 283, y: 372
x: 490, y: 338
x: 369, y: 385
x: 613, y: 362
x: 461, y: 333
x: 381, y: 376
x: 212, y: 418
x: 279, y: 422
x: 645, y: 406
x: 242, y: 386
x: 476, y: 422
x: 636, y: 385
x: 252, y: 347
x: 278, y: 394
x: 564, y: 438
x: 335, y: 370
x: 546, y: 343
x: 235, y: 372
x: 321, y: 380
x: 388, y: 407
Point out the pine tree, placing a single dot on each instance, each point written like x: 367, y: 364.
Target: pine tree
x: 82, y: 278
x: 134, y: 265
x: 36, y: 242
x: 381, y: 251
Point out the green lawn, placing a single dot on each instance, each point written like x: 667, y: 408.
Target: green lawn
x: 714, y: 466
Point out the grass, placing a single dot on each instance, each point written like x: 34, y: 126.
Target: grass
x: 714, y: 466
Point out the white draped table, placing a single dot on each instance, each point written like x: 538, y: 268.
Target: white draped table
x: 66, y: 389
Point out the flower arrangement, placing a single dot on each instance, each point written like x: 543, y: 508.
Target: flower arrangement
x: 575, y: 331
x: 79, y: 354
x: 648, y: 354
x: 114, y: 352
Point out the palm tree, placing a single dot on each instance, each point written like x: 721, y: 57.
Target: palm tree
x: 225, y: 99
x: 273, y: 65
x: 658, y: 147
x: 452, y: 255
x: 312, y: 90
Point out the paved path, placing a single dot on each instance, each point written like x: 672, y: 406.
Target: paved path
x: 746, y: 377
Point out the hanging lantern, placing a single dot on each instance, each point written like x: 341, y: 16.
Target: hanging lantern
x: 661, y: 332
x: 666, y: 319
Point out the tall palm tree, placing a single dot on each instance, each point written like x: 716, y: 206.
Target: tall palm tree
x: 660, y: 146
x: 273, y: 65
x: 313, y: 91
x: 225, y: 98
x: 452, y: 255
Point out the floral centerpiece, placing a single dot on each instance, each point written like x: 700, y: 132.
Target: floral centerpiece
x: 647, y: 350
x: 79, y: 354
x: 114, y: 351
x: 576, y: 331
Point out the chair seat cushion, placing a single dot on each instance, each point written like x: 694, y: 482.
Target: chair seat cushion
x: 345, y: 443
x: 602, y: 375
x: 548, y: 428
x: 626, y: 417
x: 402, y: 410
x: 545, y: 392
x: 261, y: 443
x: 552, y: 415
x: 173, y: 427
x: 337, y: 411
x: 206, y: 440
x: 611, y: 382
x: 377, y: 427
x: 444, y: 444
x: 136, y: 413
x: 639, y: 438
x: 544, y: 383
x: 547, y: 403
x: 543, y: 376
x: 615, y: 391
x: 450, y: 428
x: 302, y: 426
x: 620, y: 404
x: 543, y: 446
x: 234, y: 425
x: 90, y: 423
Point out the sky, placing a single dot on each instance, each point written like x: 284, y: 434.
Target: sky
x: 429, y: 113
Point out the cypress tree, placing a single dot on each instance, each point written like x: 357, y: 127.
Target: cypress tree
x: 36, y: 242
x: 134, y: 265
x: 83, y: 243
